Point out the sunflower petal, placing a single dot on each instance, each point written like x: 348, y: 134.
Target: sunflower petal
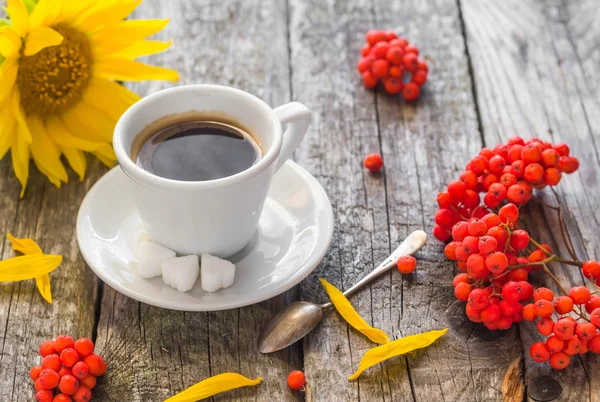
x: 76, y: 159
x: 107, y: 161
x: 142, y: 48
x: 45, y: 13
x: 28, y: 266
x: 107, y: 15
x: 131, y: 70
x: 22, y: 128
x: 45, y: 153
x: 20, y: 161
x: 19, y: 16
x: 7, y: 129
x: 113, y: 99
x: 10, y: 42
x: 90, y: 123
x: 51, y: 178
x: 59, y: 133
x: 8, y: 77
x: 24, y: 245
x: 72, y: 8
x: 124, y: 34
x: 43, y: 284
x: 212, y: 386
x: 40, y: 38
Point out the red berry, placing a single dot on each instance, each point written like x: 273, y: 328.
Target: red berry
x: 401, y: 42
x: 470, y: 199
x: 594, y: 344
x: 543, y: 308
x: 559, y: 360
x: 591, y: 269
x: 573, y: 347
x: 531, y: 153
x: 369, y: 80
x: 96, y: 364
x: 440, y: 233
x: 373, y: 162
x: 564, y: 328
x: 380, y: 50
x: 64, y: 371
x: 514, y: 153
x: 543, y: 293
x: 38, y: 385
x: 539, y: 352
x: 579, y: 294
x: 51, y: 362
x: 390, y: 35
x: 490, y: 313
x: 496, y: 263
x: 396, y: 71
x: 518, y: 275
x: 497, y: 164
x: 470, y: 244
x: 69, y: 357
x: 365, y: 64
x: 410, y: 91
x: 497, y: 191
x: 296, y: 380
x: 393, y: 85
x: 534, y: 172
x: 62, y: 398
x: 508, y: 213
x: 507, y: 180
x: 35, y: 372
x: 84, y: 346
x: 478, y: 164
x: 63, y: 342
x: 374, y: 36
x: 511, y: 292
x: 394, y: 55
x: 478, y: 299
x: 545, y: 325
x: 528, y: 313
x: 473, y: 314
x: 505, y: 322
x: 410, y: 62
x: 498, y: 233
x: 487, y: 244
x: 585, y: 330
x: 365, y: 50
x: 488, y: 180
x: 593, y: 304
x: 48, y: 378
x: 462, y: 277
x: 381, y: 68
x: 570, y: 166
x: 457, y: 189
x: 83, y: 394
x: 47, y: 348
x: 444, y: 200
x: 460, y: 230
x: 516, y: 140
x: 519, y: 239
x: 68, y: 384
x: 462, y: 291
x: 595, y: 317
x: 80, y: 370
x: 509, y: 309
x: 477, y: 227
x: 44, y: 396
x: 554, y: 344
x: 470, y: 179
x: 89, y: 381
x: 423, y: 66
x: 550, y: 158
x: 419, y: 77
x: 412, y: 49
x: 491, y: 220
x: 563, y: 305
x: 406, y: 264
x: 562, y: 149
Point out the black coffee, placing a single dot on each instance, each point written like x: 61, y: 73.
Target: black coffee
x: 197, y: 150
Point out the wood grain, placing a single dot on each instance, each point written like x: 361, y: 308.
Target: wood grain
x: 160, y: 352
x: 541, y: 80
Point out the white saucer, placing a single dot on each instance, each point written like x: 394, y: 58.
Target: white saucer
x: 294, y: 233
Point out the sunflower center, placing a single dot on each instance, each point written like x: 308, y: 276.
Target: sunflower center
x: 53, y: 80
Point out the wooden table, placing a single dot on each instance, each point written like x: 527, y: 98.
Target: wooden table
x: 496, y: 69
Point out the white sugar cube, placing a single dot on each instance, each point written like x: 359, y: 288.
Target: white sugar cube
x: 140, y: 236
x: 216, y: 273
x: 150, y: 256
x: 181, y: 273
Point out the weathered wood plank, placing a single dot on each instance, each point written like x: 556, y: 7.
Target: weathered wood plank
x: 542, y: 80
x: 160, y: 352
x: 46, y: 214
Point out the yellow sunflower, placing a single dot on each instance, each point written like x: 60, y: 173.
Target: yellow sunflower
x: 58, y: 94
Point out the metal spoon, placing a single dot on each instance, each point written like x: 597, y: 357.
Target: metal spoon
x: 296, y: 320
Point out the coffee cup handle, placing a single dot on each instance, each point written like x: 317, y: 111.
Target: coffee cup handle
x: 297, y: 116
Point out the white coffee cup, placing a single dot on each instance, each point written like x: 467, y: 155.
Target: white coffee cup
x: 216, y: 216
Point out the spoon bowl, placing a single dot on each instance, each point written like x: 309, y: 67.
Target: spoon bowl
x: 297, y: 319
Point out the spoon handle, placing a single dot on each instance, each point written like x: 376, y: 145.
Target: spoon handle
x: 409, y: 246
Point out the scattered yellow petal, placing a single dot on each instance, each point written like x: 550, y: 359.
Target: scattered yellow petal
x: 24, y: 245
x: 343, y: 306
x: 43, y: 284
x: 28, y: 266
x: 40, y: 38
x: 19, y: 16
x: 131, y: 70
x: 396, y: 348
x: 212, y: 386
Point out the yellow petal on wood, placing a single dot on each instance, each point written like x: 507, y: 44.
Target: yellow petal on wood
x: 396, y: 348
x: 107, y: 15
x: 19, y: 16
x: 123, y: 34
x: 42, y: 283
x: 77, y: 161
x: 343, y: 306
x: 131, y: 70
x: 44, y: 151
x: 86, y: 121
x: 51, y: 178
x: 40, y: 38
x: 213, y: 386
x: 22, y: 129
x: 62, y: 136
x: 28, y: 266
x: 7, y: 129
x: 142, y: 48
x: 8, y: 77
x: 24, y: 245
x: 20, y: 161
x: 113, y: 99
x: 10, y: 42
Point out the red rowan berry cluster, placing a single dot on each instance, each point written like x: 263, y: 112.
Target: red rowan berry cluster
x: 496, y: 256
x: 68, y: 368
x: 388, y: 58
